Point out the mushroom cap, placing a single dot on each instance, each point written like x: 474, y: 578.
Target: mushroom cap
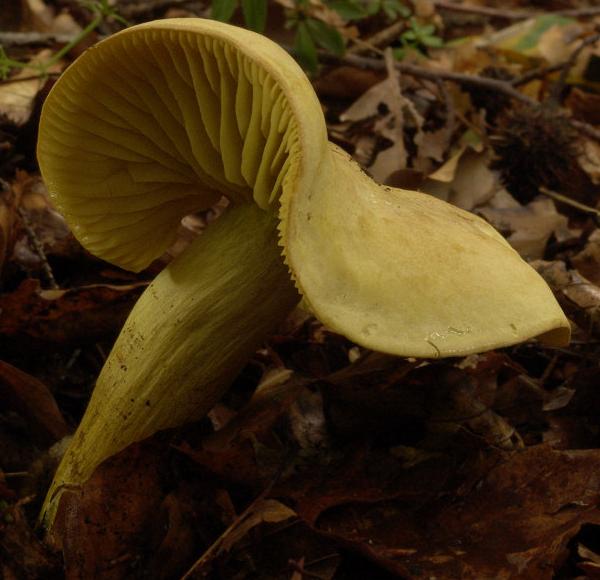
x: 405, y: 273
x: 164, y: 118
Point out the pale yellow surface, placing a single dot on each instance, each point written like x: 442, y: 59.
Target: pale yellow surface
x: 404, y: 273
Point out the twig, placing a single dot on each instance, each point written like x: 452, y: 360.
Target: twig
x: 504, y: 87
x: 39, y: 249
x: 24, y: 38
x: 433, y: 75
x: 149, y: 6
x: 586, y: 129
x: 536, y: 74
x: 43, y: 76
x: 571, y: 202
x: 511, y: 14
x: 483, y: 11
x: 213, y: 550
x: 298, y: 566
x: 568, y: 65
x: 383, y: 37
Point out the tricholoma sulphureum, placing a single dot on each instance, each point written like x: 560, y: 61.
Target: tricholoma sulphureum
x: 163, y: 119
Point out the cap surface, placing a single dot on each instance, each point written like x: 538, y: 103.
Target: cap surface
x: 404, y: 273
x: 162, y: 119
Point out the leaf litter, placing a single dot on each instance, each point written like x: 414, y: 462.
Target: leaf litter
x: 326, y: 460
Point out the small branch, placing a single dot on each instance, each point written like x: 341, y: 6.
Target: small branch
x: 494, y: 85
x: 483, y: 11
x: 571, y: 202
x: 39, y: 249
x: 537, y: 73
x: 381, y: 38
x: 434, y: 75
x: 25, y: 38
x: 511, y: 14
x: 568, y: 65
x: 146, y: 6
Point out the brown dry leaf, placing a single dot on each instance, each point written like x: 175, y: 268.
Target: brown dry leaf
x: 389, y: 124
x: 30, y: 316
x: 346, y: 82
x: 513, y: 521
x: 589, y: 160
x: 587, y: 261
x: 17, y: 98
x: 585, y: 105
x: 465, y: 180
x: 269, y: 511
x: 529, y: 227
x: 23, y: 554
x: 578, y: 296
x: 28, y: 396
x: 244, y: 450
x: 41, y: 17
x: 9, y: 201
x: 101, y: 525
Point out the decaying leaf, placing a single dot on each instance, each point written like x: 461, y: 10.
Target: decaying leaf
x: 579, y: 297
x: 513, y: 522
x: 30, y: 397
x: 68, y: 317
x: 529, y: 227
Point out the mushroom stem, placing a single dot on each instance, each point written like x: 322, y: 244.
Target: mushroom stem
x: 186, y: 339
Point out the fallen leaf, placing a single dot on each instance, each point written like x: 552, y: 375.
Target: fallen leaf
x: 32, y: 399
x: 587, y: 261
x: 579, y: 297
x: 529, y: 227
x: 513, y: 522
x: 75, y: 316
x: 9, y: 201
x: 17, y: 97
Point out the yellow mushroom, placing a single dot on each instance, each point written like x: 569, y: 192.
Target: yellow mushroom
x: 164, y: 118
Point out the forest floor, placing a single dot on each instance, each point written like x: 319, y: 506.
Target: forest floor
x: 326, y: 460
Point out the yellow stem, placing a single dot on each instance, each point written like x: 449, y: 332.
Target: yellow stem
x: 184, y: 342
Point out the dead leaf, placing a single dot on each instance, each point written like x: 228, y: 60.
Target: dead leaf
x: 465, y: 180
x: 9, y: 201
x: 32, y: 399
x: 23, y: 554
x: 578, y: 296
x: 529, y: 227
x: 100, y: 526
x: 514, y: 522
x: 17, y: 98
x: 67, y: 317
x: 587, y: 261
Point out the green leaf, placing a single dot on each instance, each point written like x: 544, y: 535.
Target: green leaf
x: 326, y: 36
x: 394, y: 9
x: 432, y: 41
x: 223, y: 9
x: 305, y: 48
x: 255, y: 14
x: 540, y: 26
x: 348, y: 9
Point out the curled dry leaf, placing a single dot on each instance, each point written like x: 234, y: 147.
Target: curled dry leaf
x: 32, y: 399
x: 579, y: 297
x: 512, y: 522
x: 587, y: 261
x: 9, y: 201
x: 17, y: 98
x: 67, y: 317
x: 529, y: 227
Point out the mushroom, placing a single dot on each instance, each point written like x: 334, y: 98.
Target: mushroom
x: 164, y: 118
